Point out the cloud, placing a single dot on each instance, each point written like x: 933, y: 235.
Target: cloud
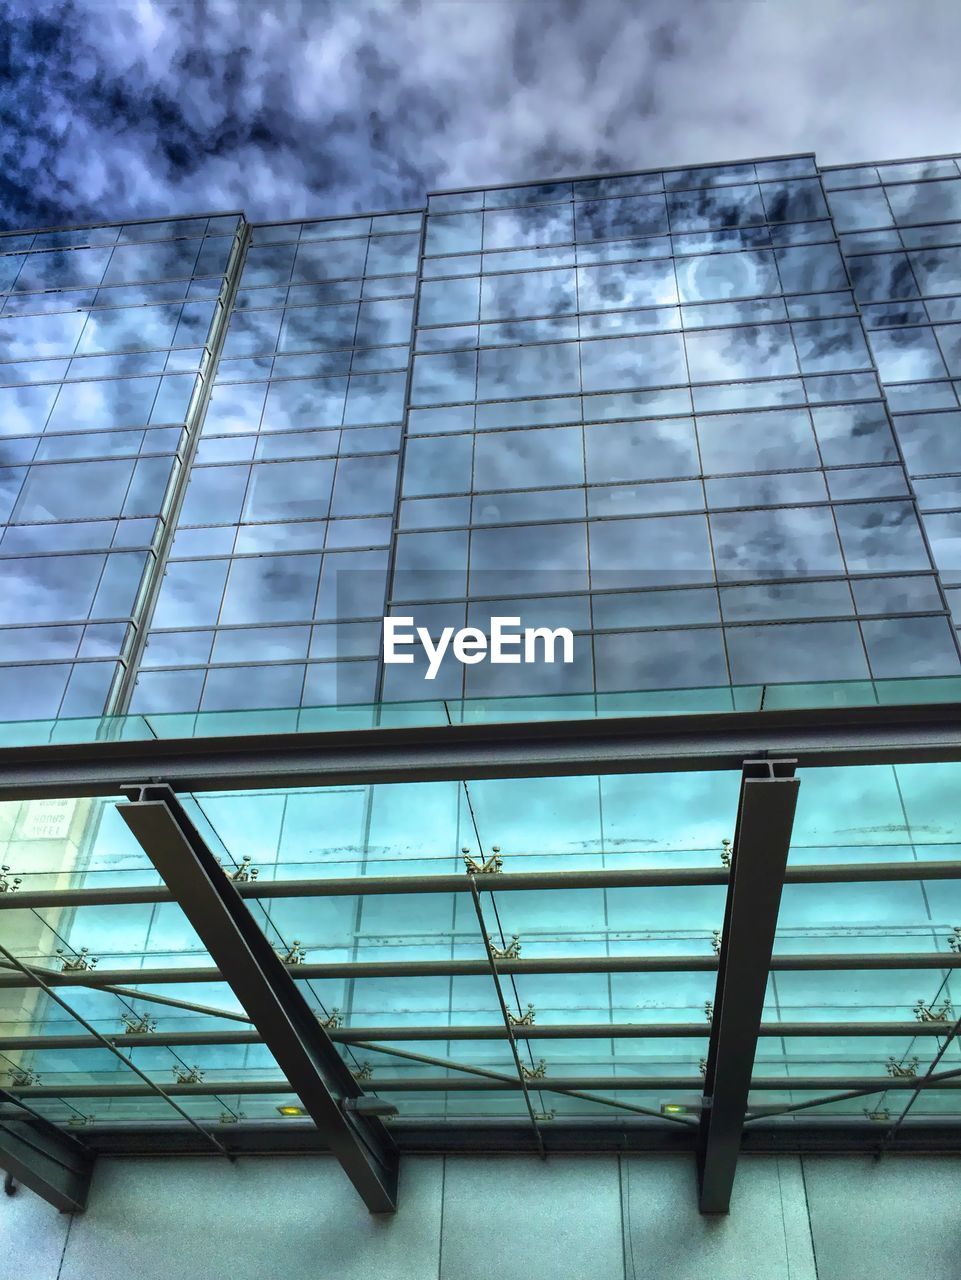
x: 143, y: 108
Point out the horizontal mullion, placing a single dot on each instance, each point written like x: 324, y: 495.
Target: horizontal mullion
x: 494, y: 1031
x: 790, y: 963
x: 500, y: 882
x: 476, y: 1084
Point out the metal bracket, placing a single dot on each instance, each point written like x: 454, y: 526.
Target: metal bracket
x: 79, y: 1122
x: 510, y: 952
x: 23, y: 1077
x: 526, y: 1021
x: 902, y: 1070
x: 135, y: 1026
x: 487, y: 866
x: 242, y: 874
x: 188, y: 1075
x: 882, y: 1114
x: 6, y: 884
x: 77, y: 963
x: 295, y: 953
x: 535, y: 1073
x: 928, y: 1013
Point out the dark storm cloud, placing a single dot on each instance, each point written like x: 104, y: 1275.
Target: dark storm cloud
x: 284, y: 110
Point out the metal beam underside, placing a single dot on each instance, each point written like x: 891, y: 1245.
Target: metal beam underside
x: 502, y: 882
x: 52, y: 1164
x: 816, y: 737
x: 762, y: 838
x: 266, y: 991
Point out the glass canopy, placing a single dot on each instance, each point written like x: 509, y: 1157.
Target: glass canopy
x: 603, y: 898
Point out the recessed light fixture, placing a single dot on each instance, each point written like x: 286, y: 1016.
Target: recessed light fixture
x: 292, y: 1111
x: 673, y: 1109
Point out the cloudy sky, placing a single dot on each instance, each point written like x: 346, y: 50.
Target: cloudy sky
x: 287, y: 108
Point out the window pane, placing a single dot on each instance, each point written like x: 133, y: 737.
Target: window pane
x: 533, y: 293
x: 214, y: 495
x: 438, y: 466
x: 826, y: 345
x: 190, y: 593
x: 309, y: 328
x: 926, y: 201
x: 793, y: 201
x: 776, y: 543
x: 49, y: 588
x: 856, y: 210
x: 271, y: 589
x: 365, y: 486
x: 640, y: 450
x: 250, y: 687
x: 854, y: 433
x: 73, y: 491
x: 612, y: 219
x: 548, y: 224
x: 439, y: 379
x: 752, y: 351
x: 650, y: 552
x: 882, y: 276
x: 882, y: 535
x: 899, y: 647
x: 938, y: 271
x: 805, y: 651
x: 305, y: 403
x: 453, y: 233
x: 905, y: 355
x: 727, y: 275
x: 329, y: 260
x: 289, y: 490
x: 529, y: 459
x: 527, y: 371
x: 628, y: 284
x: 449, y: 301
x: 525, y: 560
x: 811, y: 268
x: 767, y: 441
x: 619, y: 363
x: 715, y: 207
x: 660, y: 660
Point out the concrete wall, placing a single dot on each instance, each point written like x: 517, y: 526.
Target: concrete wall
x: 589, y: 1218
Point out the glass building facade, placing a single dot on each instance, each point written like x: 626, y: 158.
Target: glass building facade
x: 704, y: 418
x: 708, y: 419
